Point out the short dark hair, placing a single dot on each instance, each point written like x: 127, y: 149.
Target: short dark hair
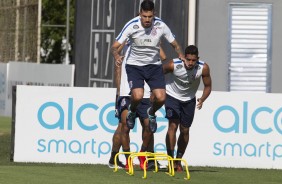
x: 192, y: 49
x: 147, y: 5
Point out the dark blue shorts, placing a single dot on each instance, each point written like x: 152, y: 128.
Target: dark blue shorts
x: 184, y: 111
x: 152, y: 74
x: 124, y: 102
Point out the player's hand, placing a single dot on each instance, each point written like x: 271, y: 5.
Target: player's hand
x: 182, y: 58
x: 118, y: 60
x: 200, y: 103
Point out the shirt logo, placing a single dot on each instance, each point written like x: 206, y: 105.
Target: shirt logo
x: 157, y: 24
x: 154, y: 31
x: 179, y: 66
x: 135, y: 27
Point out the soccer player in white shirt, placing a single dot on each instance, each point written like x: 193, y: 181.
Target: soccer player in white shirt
x: 143, y: 62
x: 182, y: 82
x: 121, y: 135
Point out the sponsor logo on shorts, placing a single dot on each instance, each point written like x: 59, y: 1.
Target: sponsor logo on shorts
x: 123, y: 102
x: 130, y: 84
x: 169, y: 113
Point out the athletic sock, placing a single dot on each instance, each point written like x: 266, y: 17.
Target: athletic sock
x: 143, y: 149
x: 113, y: 154
x: 179, y: 154
x: 170, y: 152
x: 126, y: 155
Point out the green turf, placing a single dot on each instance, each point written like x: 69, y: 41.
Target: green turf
x: 28, y: 173
x: 5, y: 125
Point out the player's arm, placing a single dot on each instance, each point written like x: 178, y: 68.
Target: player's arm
x: 118, y: 78
x: 168, y: 67
x: 118, y: 70
x: 178, y: 50
x: 207, y: 81
x: 115, y: 50
x: 162, y: 54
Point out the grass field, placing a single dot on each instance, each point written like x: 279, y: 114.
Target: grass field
x: 31, y: 173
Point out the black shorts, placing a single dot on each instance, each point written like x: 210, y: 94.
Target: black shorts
x: 152, y: 74
x: 124, y: 102
x: 184, y: 111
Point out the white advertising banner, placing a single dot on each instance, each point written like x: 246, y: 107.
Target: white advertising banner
x: 23, y: 73
x: 238, y: 130
x: 76, y: 125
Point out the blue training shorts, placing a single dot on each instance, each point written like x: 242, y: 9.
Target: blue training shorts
x: 184, y: 111
x: 152, y: 74
x: 124, y: 102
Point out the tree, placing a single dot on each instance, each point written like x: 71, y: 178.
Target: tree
x: 53, y: 32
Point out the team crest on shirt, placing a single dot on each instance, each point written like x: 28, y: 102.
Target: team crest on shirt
x: 169, y: 113
x: 192, y: 77
x: 179, y: 66
x: 135, y: 26
x: 157, y: 24
x: 154, y: 31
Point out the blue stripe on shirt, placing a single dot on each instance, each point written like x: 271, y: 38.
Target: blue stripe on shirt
x: 200, y: 62
x: 125, y: 28
x: 179, y: 61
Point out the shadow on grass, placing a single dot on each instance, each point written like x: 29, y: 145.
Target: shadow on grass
x: 192, y: 170
x: 201, y: 170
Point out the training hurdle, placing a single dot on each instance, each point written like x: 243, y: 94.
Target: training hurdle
x: 155, y: 157
x: 170, y: 165
x: 160, y: 156
x: 116, y: 156
x: 131, y: 158
x: 186, y: 167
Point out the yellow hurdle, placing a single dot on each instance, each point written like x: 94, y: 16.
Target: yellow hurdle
x: 158, y: 156
x: 116, y: 156
x: 155, y: 157
x: 186, y: 167
x: 131, y: 158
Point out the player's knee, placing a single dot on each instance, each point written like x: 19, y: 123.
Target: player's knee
x: 137, y: 96
x: 160, y: 98
x: 184, y: 130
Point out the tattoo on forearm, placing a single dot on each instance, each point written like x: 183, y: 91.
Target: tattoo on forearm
x: 114, y: 51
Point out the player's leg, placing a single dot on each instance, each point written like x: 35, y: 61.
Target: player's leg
x: 116, y: 141
x: 171, y: 136
x: 172, y: 107
x: 125, y: 139
x: 158, y: 100
x: 186, y: 119
x: 146, y: 133
x: 182, y: 143
x: 156, y: 81
x: 136, y: 84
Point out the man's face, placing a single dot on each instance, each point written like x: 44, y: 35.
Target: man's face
x: 191, y: 61
x: 146, y: 18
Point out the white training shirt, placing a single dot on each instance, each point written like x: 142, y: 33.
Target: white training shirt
x: 145, y: 42
x: 124, y: 86
x: 183, y: 84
